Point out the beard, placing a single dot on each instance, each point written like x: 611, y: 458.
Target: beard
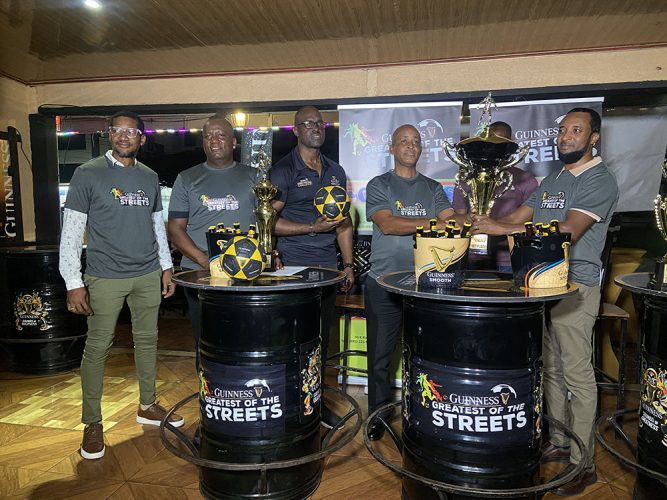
x: 572, y: 156
x: 125, y: 154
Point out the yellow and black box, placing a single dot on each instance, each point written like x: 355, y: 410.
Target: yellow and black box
x: 440, y: 262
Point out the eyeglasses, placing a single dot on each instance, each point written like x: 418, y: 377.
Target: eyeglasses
x: 131, y: 132
x: 310, y: 124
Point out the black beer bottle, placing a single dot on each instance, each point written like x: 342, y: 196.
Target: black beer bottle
x: 457, y: 232
x: 252, y: 228
x: 530, y: 230
x: 554, y: 228
x: 449, y: 231
x: 211, y: 229
x: 419, y: 231
x: 237, y: 228
x: 434, y: 229
x: 442, y: 233
x: 538, y: 228
x: 220, y: 227
x: 465, y: 233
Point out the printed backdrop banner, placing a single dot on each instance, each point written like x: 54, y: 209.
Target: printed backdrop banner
x: 536, y: 123
x: 11, y: 222
x: 365, y: 136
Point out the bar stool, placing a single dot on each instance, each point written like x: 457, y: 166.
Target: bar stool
x: 350, y: 304
x: 612, y: 312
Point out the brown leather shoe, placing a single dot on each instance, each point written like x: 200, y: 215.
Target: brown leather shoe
x: 92, y: 446
x: 585, y: 478
x: 553, y: 453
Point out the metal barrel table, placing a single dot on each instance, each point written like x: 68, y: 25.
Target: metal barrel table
x: 260, y: 381
x: 652, y: 433
x: 472, y: 383
x: 37, y: 332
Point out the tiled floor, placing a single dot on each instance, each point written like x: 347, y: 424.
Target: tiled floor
x: 40, y: 434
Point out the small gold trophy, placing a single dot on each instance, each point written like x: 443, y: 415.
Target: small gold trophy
x: 484, y: 161
x: 265, y: 213
x: 659, y: 279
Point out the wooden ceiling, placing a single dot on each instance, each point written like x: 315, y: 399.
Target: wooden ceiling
x: 44, y: 41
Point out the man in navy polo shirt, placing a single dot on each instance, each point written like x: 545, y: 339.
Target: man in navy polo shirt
x: 305, y: 238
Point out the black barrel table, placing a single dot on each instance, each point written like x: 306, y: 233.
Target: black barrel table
x: 652, y: 433
x: 37, y: 332
x: 472, y: 383
x: 260, y: 381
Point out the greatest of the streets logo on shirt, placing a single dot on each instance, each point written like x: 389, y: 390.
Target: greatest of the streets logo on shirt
x: 228, y: 202
x: 138, y: 199
x: 242, y: 400
x: 553, y: 201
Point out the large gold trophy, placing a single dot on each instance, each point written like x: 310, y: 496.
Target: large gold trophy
x: 265, y: 213
x: 484, y: 162
x: 659, y: 279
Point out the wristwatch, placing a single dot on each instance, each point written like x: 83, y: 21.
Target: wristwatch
x: 348, y: 264
x: 311, y: 233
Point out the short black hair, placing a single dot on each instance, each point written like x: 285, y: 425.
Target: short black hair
x: 128, y: 114
x: 503, y: 125
x: 596, y: 121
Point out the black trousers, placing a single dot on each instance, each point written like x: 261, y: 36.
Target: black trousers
x: 327, y: 315
x: 191, y: 295
x: 384, y: 321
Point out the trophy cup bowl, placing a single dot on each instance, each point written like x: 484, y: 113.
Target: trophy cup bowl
x: 265, y: 213
x: 659, y: 279
x: 484, y: 162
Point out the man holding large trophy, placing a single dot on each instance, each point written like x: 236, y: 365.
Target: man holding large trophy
x: 582, y: 197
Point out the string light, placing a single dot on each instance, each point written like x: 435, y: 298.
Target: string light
x: 161, y: 131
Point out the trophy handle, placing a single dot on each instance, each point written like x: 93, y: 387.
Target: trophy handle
x: 506, y: 178
x: 518, y: 156
x: 446, y: 147
x: 660, y: 206
x: 457, y: 185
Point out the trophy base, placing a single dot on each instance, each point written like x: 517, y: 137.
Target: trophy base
x: 659, y: 278
x: 270, y: 265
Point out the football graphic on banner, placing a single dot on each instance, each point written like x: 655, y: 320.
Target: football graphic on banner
x: 242, y: 258
x: 333, y: 202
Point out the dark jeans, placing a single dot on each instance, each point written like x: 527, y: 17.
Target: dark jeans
x: 384, y: 321
x: 194, y: 308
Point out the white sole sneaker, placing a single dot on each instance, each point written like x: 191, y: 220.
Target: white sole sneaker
x: 92, y: 456
x: 146, y: 421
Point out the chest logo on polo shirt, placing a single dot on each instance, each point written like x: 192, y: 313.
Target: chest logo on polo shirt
x: 334, y: 181
x: 553, y: 200
x: 138, y: 199
x: 228, y: 202
x: 416, y: 210
x: 304, y: 183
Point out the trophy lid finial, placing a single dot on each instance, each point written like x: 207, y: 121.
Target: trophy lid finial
x: 485, y: 118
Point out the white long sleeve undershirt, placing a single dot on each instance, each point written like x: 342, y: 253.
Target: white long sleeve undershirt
x: 71, y: 245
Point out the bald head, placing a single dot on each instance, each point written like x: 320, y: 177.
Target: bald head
x: 302, y: 114
x: 402, y: 130
x: 501, y: 129
x: 219, y: 120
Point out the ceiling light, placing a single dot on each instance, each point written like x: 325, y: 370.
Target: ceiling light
x: 92, y: 4
x: 239, y: 119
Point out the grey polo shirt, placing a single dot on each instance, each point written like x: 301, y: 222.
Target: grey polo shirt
x: 207, y: 196
x: 590, y: 189
x: 120, y: 202
x: 419, y: 197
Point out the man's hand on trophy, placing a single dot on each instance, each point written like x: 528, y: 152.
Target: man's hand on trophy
x: 323, y: 225
x: 278, y: 262
x: 481, y: 224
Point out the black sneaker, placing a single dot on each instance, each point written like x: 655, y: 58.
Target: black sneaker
x: 329, y: 419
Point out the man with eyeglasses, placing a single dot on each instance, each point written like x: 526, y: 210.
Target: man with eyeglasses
x: 116, y: 201
x: 218, y: 190
x: 305, y: 238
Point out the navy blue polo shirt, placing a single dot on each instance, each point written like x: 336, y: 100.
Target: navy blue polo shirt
x: 297, y: 184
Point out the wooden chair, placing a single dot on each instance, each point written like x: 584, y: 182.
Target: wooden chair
x: 350, y: 304
x: 609, y: 311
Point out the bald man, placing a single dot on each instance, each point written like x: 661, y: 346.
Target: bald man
x: 305, y: 238
x: 396, y: 202
x: 218, y: 190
